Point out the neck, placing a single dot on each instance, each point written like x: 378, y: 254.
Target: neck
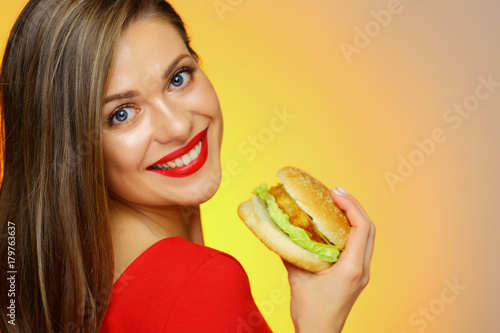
x: 162, y: 222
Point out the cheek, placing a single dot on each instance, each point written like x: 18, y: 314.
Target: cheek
x: 206, y: 99
x: 122, y: 154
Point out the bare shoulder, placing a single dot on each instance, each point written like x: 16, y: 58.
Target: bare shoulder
x: 130, y: 239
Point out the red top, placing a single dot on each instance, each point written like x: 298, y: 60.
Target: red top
x: 179, y: 286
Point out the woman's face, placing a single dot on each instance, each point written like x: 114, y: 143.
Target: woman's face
x: 162, y: 122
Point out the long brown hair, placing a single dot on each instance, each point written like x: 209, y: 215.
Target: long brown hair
x: 53, y: 196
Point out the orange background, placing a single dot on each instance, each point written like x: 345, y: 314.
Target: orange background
x: 352, y: 120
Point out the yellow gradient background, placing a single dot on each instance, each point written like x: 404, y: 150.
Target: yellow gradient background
x: 351, y: 120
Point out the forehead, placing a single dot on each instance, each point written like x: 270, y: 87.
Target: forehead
x: 146, y: 47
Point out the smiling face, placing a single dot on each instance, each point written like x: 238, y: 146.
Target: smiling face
x: 162, y: 123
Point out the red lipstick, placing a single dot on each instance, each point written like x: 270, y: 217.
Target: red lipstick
x: 192, y: 167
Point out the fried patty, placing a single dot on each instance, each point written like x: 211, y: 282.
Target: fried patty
x: 298, y: 217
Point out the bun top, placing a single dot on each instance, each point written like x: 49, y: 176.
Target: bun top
x: 314, y: 198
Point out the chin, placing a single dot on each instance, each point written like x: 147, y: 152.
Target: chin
x: 203, y: 185
x: 206, y: 189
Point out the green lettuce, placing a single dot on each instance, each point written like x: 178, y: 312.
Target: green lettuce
x: 298, y: 235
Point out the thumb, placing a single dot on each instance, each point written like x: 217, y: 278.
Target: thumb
x: 295, y: 274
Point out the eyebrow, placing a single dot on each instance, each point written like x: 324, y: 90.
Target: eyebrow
x: 134, y: 93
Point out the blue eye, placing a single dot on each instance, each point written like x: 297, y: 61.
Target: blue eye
x: 180, y: 79
x: 122, y: 114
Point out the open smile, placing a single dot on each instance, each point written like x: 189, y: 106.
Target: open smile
x: 185, y: 160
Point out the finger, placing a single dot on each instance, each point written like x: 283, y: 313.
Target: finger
x: 353, y: 210
x: 369, y: 248
x: 288, y: 266
x: 343, y: 191
x: 295, y: 274
x: 357, y: 241
x: 371, y: 237
x: 291, y: 268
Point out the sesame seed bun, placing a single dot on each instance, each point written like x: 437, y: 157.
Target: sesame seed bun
x: 314, y: 198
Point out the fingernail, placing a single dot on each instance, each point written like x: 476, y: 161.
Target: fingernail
x: 342, y: 190
x: 337, y: 192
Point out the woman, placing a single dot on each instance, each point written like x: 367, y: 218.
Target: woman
x: 112, y: 140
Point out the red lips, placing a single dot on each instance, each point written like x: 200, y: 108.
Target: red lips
x: 192, y: 167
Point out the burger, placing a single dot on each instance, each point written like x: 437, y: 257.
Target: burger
x: 298, y: 220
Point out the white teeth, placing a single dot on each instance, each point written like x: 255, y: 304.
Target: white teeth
x: 160, y: 167
x: 181, y: 161
x: 193, y: 155
x: 186, y: 159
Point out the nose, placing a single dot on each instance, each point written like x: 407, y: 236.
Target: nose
x: 170, y: 121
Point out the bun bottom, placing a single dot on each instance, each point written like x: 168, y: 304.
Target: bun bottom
x: 255, y: 215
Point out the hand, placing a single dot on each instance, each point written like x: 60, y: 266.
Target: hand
x: 321, y: 302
